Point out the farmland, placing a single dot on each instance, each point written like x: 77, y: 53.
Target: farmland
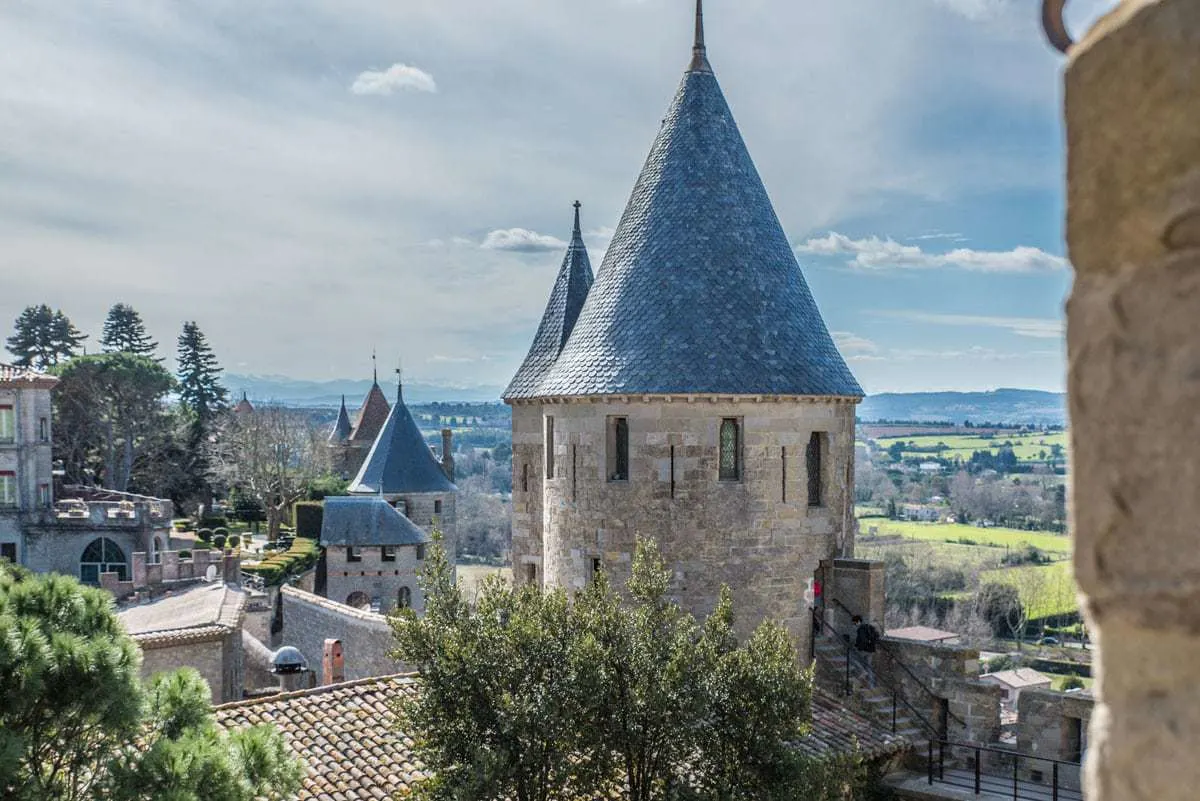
x: 965, y: 535
x: 1027, y: 447
x: 1046, y: 590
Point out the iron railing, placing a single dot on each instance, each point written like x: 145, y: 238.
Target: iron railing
x: 1045, y: 779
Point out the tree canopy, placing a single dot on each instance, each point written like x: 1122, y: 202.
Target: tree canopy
x: 200, y: 389
x: 124, y: 332
x: 76, y: 722
x: 535, y: 696
x: 43, y: 338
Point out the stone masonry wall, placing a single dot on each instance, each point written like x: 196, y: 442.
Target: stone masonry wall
x: 308, y: 620
x: 757, y: 534
x: 376, y: 578
x: 528, y: 468
x: 1053, y: 725
x: 207, y: 657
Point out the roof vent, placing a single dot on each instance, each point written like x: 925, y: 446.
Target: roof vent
x: 288, y: 660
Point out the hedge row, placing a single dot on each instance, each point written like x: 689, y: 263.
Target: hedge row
x: 295, y: 560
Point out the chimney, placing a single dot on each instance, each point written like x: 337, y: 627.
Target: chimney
x: 448, y: 453
x: 334, y: 663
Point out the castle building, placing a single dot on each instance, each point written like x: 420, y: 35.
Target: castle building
x: 349, y: 443
x: 402, y: 470
x: 691, y: 393
x: 86, y: 532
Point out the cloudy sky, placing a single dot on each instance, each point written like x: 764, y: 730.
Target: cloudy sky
x: 308, y: 179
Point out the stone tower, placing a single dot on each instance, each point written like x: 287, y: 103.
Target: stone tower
x: 402, y: 470
x: 692, y: 394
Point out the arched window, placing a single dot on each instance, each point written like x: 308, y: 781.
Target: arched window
x: 731, y: 450
x: 405, y: 598
x: 156, y: 548
x: 102, y: 556
x: 359, y: 600
x: 813, y: 457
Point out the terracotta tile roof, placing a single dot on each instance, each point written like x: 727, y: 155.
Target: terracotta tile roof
x: 371, y: 417
x: 199, y: 614
x: 346, y: 734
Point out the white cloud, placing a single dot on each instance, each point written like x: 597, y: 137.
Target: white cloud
x: 520, y: 240
x: 398, y: 77
x: 874, y: 253
x: 1034, y: 327
x: 849, y: 343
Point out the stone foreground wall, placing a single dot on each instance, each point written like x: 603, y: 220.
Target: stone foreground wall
x: 218, y: 660
x: 308, y: 620
x: 1133, y: 230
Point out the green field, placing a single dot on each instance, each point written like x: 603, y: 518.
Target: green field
x: 1026, y: 447
x: 1046, y: 590
x: 471, y: 576
x: 964, y: 534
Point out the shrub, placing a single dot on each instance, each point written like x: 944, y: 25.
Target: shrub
x: 232, y: 541
x: 185, y: 554
x: 221, y: 532
x: 218, y: 541
x: 308, y: 516
x: 204, y: 535
x: 212, y: 521
x: 302, y: 555
x: 1073, y: 683
x: 181, y: 525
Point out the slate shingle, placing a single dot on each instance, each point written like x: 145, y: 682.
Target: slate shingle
x: 700, y: 291
x: 566, y: 300
x: 400, y: 461
x: 367, y: 521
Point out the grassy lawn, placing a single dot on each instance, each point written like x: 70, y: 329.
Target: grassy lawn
x: 1026, y: 447
x: 1046, y: 590
x: 922, y: 552
x: 1057, y: 681
x: 957, y: 532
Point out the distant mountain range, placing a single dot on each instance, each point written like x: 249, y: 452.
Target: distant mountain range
x: 1023, y: 406
x: 296, y: 392
x: 1026, y: 406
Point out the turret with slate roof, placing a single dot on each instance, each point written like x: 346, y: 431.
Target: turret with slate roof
x: 371, y: 415
x: 342, y: 428
x: 402, y: 469
x: 698, y: 398
x: 566, y: 300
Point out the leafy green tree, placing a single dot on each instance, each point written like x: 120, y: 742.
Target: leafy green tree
x: 200, y: 389
x: 43, y: 338
x: 124, y: 332
x: 76, y: 722
x: 533, y: 695
x: 111, y: 413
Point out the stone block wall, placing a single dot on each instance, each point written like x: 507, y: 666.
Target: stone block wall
x: 218, y: 660
x: 373, y: 576
x: 1053, y: 725
x: 528, y: 469
x: 757, y: 534
x: 308, y: 620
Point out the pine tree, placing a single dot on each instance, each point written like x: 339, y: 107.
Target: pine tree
x: 124, y: 332
x: 43, y: 338
x: 200, y: 390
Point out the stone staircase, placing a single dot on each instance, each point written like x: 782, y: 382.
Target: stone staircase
x: 875, y: 702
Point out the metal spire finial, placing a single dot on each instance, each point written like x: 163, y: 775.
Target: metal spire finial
x: 699, y: 51
x: 578, y: 231
x: 374, y: 368
x: 400, y: 380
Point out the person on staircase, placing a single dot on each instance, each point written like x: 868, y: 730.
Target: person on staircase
x: 866, y: 637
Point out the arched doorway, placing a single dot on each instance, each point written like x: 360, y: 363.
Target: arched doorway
x: 405, y: 598
x: 156, y: 546
x: 102, y: 555
x: 359, y: 600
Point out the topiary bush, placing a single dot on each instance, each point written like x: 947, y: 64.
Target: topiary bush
x: 204, y: 535
x: 218, y: 541
x: 233, y: 541
x: 308, y: 516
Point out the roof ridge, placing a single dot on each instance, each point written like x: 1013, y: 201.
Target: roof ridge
x: 318, y: 690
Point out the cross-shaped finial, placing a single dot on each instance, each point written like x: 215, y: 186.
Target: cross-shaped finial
x: 578, y: 206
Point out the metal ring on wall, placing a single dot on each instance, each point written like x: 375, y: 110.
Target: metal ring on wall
x: 1056, y: 29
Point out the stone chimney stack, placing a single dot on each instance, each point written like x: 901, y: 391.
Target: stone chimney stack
x: 334, y: 663
x: 448, y: 453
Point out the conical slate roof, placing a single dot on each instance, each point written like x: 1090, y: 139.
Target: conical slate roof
x: 699, y: 291
x: 400, y: 461
x: 566, y: 300
x: 371, y: 417
x: 342, y: 428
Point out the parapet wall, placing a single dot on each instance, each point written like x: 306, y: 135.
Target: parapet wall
x: 309, y: 620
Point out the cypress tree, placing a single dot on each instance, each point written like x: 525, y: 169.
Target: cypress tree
x: 124, y: 332
x: 200, y: 389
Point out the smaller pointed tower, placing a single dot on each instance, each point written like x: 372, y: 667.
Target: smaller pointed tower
x: 342, y: 428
